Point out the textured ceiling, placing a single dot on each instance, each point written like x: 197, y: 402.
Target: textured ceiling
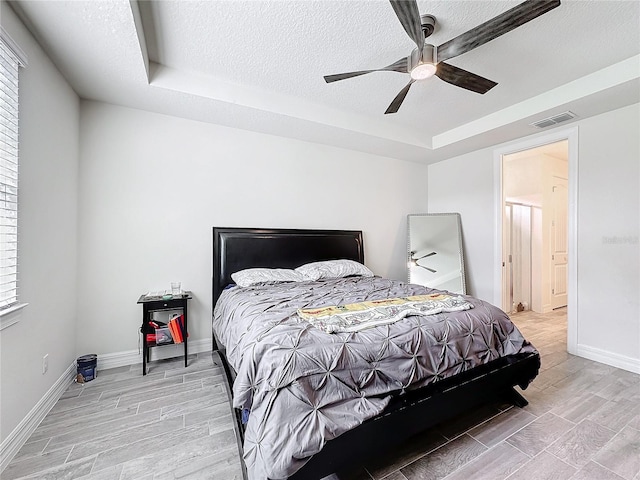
x: 258, y: 65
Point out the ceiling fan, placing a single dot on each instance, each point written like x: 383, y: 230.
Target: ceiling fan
x: 427, y: 60
x: 413, y: 261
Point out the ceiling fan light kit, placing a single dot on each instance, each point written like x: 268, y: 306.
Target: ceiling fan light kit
x: 427, y: 60
x: 422, y: 65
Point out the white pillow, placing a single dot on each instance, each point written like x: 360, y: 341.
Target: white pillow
x: 333, y: 269
x: 251, y: 276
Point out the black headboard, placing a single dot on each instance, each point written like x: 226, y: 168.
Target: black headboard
x: 235, y: 249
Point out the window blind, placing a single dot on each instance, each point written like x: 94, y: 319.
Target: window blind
x: 9, y: 65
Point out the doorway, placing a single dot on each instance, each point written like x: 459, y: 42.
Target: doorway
x: 551, y: 137
x: 535, y: 228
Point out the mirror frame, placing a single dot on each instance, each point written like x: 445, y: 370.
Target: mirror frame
x: 459, y: 233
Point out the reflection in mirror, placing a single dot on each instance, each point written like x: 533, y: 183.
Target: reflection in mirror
x: 435, y: 251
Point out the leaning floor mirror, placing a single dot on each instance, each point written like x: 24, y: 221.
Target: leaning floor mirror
x: 435, y: 251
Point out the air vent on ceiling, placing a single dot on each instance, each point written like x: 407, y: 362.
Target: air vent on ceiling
x: 556, y: 119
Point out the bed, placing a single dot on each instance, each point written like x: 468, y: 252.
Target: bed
x: 285, y: 434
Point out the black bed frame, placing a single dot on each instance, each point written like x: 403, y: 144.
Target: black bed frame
x: 235, y: 249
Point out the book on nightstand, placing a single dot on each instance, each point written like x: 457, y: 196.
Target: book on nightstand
x: 176, y: 325
x: 174, y: 328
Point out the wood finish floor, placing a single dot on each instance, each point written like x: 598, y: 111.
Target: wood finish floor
x: 582, y: 423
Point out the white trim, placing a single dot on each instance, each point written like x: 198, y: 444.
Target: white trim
x: 572, y: 298
x: 133, y: 357
x: 18, y: 437
x: 14, y: 47
x: 497, y: 227
x: 609, y: 358
x: 10, y: 316
x: 562, y: 133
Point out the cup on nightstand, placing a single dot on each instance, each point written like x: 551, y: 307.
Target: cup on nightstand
x: 175, y: 288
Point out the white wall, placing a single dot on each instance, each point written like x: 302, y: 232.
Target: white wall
x: 153, y: 186
x: 522, y: 178
x: 49, y: 115
x: 464, y: 184
x: 607, y: 230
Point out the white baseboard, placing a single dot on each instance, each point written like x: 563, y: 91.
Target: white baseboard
x: 19, y: 436
x: 133, y: 357
x: 603, y: 356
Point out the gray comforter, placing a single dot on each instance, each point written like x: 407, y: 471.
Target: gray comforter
x: 304, y: 386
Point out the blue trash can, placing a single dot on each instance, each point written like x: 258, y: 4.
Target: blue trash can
x: 87, y: 366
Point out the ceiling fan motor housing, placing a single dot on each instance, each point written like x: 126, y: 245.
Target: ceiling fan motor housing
x: 428, y: 56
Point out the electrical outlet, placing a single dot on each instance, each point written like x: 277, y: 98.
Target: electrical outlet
x: 45, y: 363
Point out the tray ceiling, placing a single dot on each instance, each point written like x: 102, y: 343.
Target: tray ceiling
x: 258, y: 65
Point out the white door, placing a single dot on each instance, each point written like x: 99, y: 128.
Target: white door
x: 559, y: 243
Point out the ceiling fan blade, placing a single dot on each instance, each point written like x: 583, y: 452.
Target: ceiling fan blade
x: 344, y: 76
x: 503, y: 23
x: 461, y: 78
x: 395, y: 105
x: 427, y: 268
x: 401, y: 66
x: 409, y: 16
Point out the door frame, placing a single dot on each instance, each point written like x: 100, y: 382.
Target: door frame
x: 570, y: 134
